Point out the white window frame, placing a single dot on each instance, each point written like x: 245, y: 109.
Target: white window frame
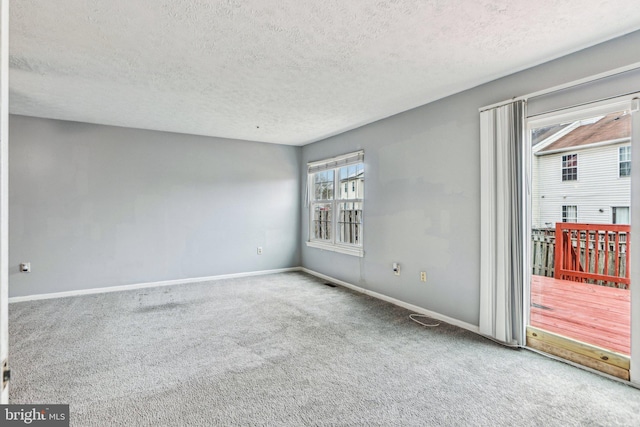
x: 620, y: 161
x: 615, y: 216
x: 569, y: 169
x: 565, y: 213
x: 333, y: 244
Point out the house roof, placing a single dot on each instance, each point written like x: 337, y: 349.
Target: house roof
x: 541, y: 134
x: 610, y: 127
x: 357, y: 174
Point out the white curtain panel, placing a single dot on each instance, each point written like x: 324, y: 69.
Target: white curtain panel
x: 502, y: 222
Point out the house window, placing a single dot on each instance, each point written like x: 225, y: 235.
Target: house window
x: 570, y: 213
x: 620, y: 215
x: 570, y: 167
x: 625, y: 161
x: 336, y: 216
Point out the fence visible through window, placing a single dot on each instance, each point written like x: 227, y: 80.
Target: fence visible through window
x: 349, y: 225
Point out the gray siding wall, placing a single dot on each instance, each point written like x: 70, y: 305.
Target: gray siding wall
x: 599, y: 186
x: 94, y: 206
x: 422, y: 189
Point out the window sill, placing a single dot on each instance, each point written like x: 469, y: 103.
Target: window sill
x: 343, y: 249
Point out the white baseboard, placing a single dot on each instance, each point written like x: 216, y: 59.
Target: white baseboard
x: 373, y: 294
x: 148, y: 285
x: 411, y: 307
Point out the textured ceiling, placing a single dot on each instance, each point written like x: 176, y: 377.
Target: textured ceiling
x: 282, y: 71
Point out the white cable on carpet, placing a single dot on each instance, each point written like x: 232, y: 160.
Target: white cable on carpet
x: 413, y: 317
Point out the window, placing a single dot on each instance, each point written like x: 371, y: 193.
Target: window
x: 570, y: 167
x: 336, y: 216
x: 625, y: 161
x: 570, y: 214
x: 620, y: 215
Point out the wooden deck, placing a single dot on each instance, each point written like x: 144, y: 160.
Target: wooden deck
x: 595, y: 315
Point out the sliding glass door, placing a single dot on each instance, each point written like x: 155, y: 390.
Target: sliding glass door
x: 580, y: 216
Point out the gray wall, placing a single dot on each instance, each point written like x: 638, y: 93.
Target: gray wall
x: 422, y: 191
x: 94, y: 206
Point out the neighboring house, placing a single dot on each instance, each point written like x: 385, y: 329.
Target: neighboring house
x: 352, y: 184
x: 582, y: 172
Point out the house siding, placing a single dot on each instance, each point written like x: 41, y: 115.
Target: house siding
x: 599, y: 186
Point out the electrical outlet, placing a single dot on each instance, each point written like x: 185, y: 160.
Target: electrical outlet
x: 423, y: 276
x: 259, y: 250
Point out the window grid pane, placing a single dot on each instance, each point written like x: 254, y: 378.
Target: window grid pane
x: 570, y: 167
x: 322, y: 221
x: 323, y: 185
x: 570, y: 213
x: 620, y: 215
x: 350, y: 223
x: 625, y: 154
x: 351, y: 182
x: 625, y: 161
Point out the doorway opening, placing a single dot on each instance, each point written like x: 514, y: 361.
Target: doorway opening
x: 580, y: 236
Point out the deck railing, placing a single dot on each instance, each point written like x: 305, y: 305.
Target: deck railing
x: 592, y: 253
x: 349, y: 228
